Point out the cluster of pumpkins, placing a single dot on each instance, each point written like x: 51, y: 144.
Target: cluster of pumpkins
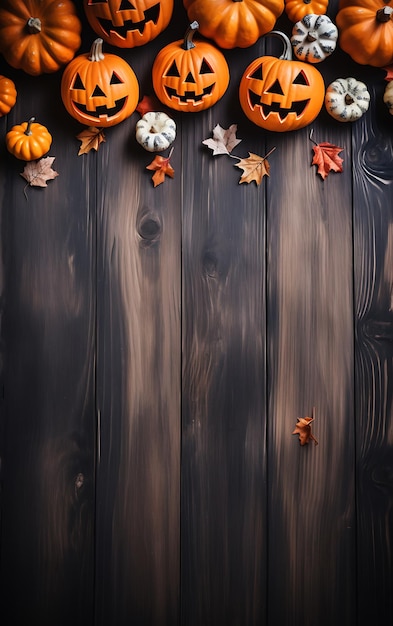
x: 277, y: 94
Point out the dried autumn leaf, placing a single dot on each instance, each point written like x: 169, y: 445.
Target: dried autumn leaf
x: 161, y: 167
x: 303, y: 429
x: 223, y: 140
x: 37, y: 173
x: 91, y: 139
x: 147, y: 104
x: 326, y: 156
x: 254, y: 168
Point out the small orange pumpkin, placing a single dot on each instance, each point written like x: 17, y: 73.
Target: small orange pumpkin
x: 297, y: 9
x: 234, y: 23
x: 366, y: 31
x: 190, y: 77
x: 7, y: 95
x: 99, y: 90
x: 28, y: 141
x: 39, y: 36
x: 281, y: 94
x: 128, y: 24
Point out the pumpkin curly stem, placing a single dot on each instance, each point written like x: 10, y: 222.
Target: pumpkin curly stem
x: 384, y: 14
x: 34, y: 25
x: 287, y: 54
x: 28, y: 131
x: 96, y: 53
x: 188, y: 43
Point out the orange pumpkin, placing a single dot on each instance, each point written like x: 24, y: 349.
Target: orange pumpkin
x: 99, y: 90
x: 7, y: 95
x: 190, y: 77
x: 128, y: 24
x: 39, y: 36
x: 297, y: 9
x: 28, y: 141
x: 281, y: 94
x: 234, y: 23
x: 366, y: 31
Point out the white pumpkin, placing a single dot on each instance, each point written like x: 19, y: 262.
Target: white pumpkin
x: 388, y: 96
x: 314, y: 38
x: 155, y: 131
x: 346, y: 99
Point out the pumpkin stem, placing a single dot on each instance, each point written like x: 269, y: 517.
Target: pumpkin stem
x: 287, y: 54
x: 312, y: 36
x: 188, y: 43
x: 96, y: 53
x: 384, y: 14
x: 28, y: 130
x: 348, y: 99
x: 34, y: 25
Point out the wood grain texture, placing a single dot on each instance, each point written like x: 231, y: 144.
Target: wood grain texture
x: 139, y: 270
x: 311, y: 575
x: 223, y: 451
x: 373, y: 271
x: 48, y: 336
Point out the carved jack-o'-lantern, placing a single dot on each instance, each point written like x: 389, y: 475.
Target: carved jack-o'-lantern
x: 281, y: 94
x: 99, y: 90
x: 128, y: 23
x: 190, y: 77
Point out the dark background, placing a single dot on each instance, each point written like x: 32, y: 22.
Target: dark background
x: 158, y: 345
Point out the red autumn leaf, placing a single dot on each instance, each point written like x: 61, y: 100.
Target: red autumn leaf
x: 161, y: 167
x: 389, y: 72
x: 147, y: 104
x: 303, y: 429
x: 326, y: 156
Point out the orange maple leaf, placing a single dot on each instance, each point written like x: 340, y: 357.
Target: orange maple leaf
x: 303, y: 429
x: 161, y: 167
x: 91, y: 139
x: 147, y: 104
x: 254, y: 168
x: 326, y: 156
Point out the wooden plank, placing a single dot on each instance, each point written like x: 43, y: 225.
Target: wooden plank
x: 138, y: 488
x: 311, y: 578
x: 373, y: 258
x: 223, y: 433
x: 48, y: 341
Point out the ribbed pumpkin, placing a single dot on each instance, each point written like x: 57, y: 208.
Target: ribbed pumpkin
x: 366, y: 31
x: 190, y: 76
x: 28, y: 141
x: 281, y: 94
x: 39, y: 36
x: 128, y: 24
x: 234, y: 23
x: 297, y: 9
x: 99, y: 90
x: 314, y: 38
x: 7, y: 95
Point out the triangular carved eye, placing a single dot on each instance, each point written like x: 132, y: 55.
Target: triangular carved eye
x: 126, y: 5
x: 97, y: 91
x: 257, y: 73
x: 173, y: 71
x: 275, y: 88
x: 205, y: 68
x: 115, y: 80
x: 189, y: 78
x: 301, y: 79
x: 78, y: 83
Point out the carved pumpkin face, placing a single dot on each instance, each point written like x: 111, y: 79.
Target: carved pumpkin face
x: 128, y: 23
x: 99, y: 90
x: 190, y: 77
x: 281, y: 94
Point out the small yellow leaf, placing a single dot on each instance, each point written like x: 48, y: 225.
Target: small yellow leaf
x: 254, y: 168
x: 91, y: 139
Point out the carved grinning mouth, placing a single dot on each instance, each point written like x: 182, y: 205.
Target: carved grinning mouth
x: 151, y: 15
x: 102, y: 111
x: 297, y: 106
x: 189, y: 95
